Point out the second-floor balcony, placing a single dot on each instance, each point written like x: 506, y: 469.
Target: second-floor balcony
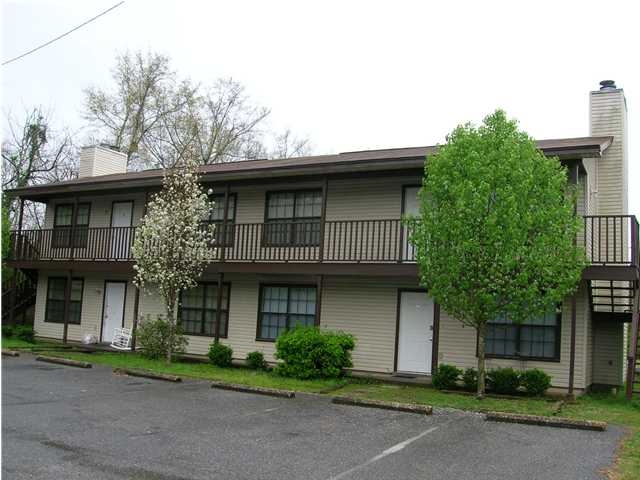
x: 349, y: 241
x: 608, y: 241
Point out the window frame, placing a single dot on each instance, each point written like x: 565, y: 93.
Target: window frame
x: 231, y: 221
x: 226, y: 285
x: 291, y: 221
x: 60, y: 240
x: 558, y: 341
x: 262, y: 286
x: 46, y: 306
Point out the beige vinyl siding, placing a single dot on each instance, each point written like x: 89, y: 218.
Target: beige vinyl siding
x: 608, y: 117
x: 365, y: 201
x: 92, y: 298
x: 100, y: 213
x: 98, y: 160
x: 458, y: 346
x: 367, y: 308
x: 243, y: 316
x: 607, y: 360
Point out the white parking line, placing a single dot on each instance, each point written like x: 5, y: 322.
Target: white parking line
x: 396, y: 448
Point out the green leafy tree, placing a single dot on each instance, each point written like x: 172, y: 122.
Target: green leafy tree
x: 497, y: 228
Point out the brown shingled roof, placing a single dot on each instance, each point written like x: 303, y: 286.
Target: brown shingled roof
x: 366, y: 160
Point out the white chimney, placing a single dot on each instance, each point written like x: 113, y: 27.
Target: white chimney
x: 608, y: 116
x: 101, y: 160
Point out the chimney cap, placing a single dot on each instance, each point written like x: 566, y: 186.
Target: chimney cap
x: 110, y: 147
x: 608, y: 85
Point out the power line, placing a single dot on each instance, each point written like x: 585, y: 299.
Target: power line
x: 63, y: 35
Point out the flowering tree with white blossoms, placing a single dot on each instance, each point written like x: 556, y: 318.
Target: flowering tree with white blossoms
x: 172, y: 247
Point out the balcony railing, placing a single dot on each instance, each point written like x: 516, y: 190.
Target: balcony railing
x: 348, y: 241
x: 608, y: 240
x: 611, y: 239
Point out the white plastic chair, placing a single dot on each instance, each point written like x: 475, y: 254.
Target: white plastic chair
x: 121, y: 339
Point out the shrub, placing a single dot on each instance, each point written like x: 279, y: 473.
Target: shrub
x: 256, y: 361
x: 220, y: 355
x: 7, y: 331
x: 446, y: 377
x: 503, y: 380
x: 308, y: 352
x: 535, y: 381
x: 153, y: 337
x: 22, y: 332
x: 470, y: 379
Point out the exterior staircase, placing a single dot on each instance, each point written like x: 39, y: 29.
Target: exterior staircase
x: 19, y: 298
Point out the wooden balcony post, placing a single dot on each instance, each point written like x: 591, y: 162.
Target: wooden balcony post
x: 219, y: 306
x: 67, y: 306
x: 632, y: 353
x: 323, y: 219
x: 319, y: 285
x: 134, y: 326
x: 14, y: 297
x: 17, y: 246
x: 222, y: 244
x: 136, y: 299
x: 72, y: 234
x: 18, y: 240
x: 572, y: 345
x: 21, y: 214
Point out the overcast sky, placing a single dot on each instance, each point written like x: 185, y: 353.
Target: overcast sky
x: 349, y: 75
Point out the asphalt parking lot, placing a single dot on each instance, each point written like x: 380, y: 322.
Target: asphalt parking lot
x: 63, y: 422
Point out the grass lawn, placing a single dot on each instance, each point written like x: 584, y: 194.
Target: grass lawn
x: 435, y: 398
x: 205, y: 371
x: 12, y: 343
x: 618, y: 410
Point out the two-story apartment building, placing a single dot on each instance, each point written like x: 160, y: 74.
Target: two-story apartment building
x: 319, y: 241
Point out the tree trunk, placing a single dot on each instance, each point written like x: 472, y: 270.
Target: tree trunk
x: 482, y: 333
x: 171, y: 320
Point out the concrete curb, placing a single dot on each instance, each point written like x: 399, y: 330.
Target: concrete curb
x: 399, y: 407
x: 63, y: 361
x: 546, y: 421
x: 10, y: 353
x: 258, y: 390
x: 135, y: 372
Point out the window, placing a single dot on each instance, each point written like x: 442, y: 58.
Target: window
x: 54, y: 311
x: 293, y: 218
x: 535, y: 338
x: 216, y: 217
x: 198, y: 310
x: 283, y: 307
x: 63, y: 224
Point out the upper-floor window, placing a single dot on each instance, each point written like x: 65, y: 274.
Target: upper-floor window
x: 63, y: 224
x: 223, y: 234
x: 54, y: 310
x: 535, y: 338
x: 292, y: 218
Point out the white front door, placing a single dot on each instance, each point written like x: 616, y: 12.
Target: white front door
x: 113, y: 311
x: 415, y: 332
x: 121, y: 215
x: 410, y: 207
